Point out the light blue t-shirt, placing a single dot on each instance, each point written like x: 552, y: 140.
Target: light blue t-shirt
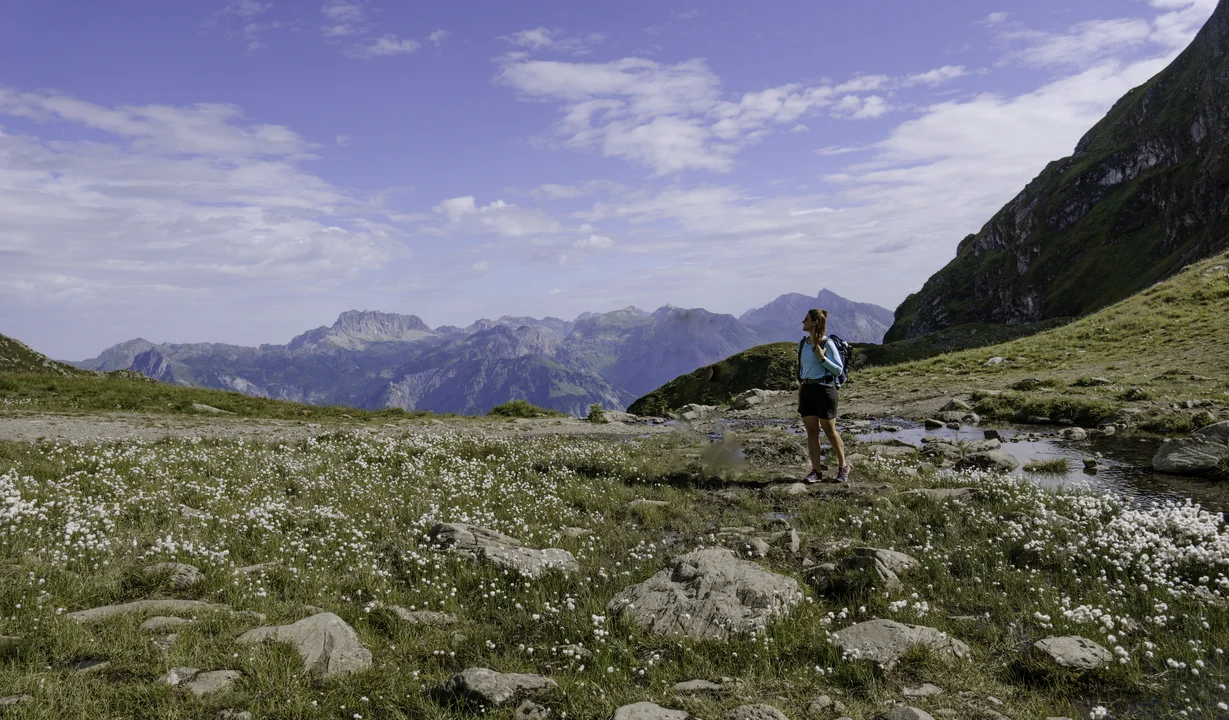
x: 813, y: 368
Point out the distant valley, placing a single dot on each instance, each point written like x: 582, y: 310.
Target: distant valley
x: 375, y: 360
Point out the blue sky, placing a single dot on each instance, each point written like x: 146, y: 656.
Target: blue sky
x: 240, y: 171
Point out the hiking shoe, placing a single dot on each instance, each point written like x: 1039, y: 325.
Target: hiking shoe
x: 812, y: 478
x: 842, y: 476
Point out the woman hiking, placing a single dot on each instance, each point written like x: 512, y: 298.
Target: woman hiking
x: 819, y: 364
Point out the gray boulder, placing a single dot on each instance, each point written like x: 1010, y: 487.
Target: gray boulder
x: 484, y: 545
x: 1074, y: 433
x: 329, y: 647
x: 487, y: 687
x: 1200, y: 453
x: 755, y: 712
x: 422, y: 617
x: 162, y: 623
x: 1071, y: 651
x: 997, y: 460
x: 897, y: 562
x: 886, y: 641
x: 857, y: 570
x: 923, y: 690
x: 182, y: 576
x: 214, y: 681
x: 955, y: 404
x: 695, y: 686
x: 192, y: 606
x: 707, y: 594
x: 648, y: 711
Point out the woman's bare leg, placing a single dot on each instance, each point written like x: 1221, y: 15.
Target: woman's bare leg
x: 811, y: 423
x: 834, y: 438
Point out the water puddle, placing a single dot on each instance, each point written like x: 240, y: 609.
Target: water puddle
x: 1125, y: 466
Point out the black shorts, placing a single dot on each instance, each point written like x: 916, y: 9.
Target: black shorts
x: 817, y: 401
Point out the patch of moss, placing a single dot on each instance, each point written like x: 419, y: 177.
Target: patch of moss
x: 1086, y: 412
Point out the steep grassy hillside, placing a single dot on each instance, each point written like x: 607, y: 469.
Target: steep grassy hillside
x: 1143, y: 195
x: 770, y: 367
x: 16, y: 357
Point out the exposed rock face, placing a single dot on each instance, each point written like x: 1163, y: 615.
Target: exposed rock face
x: 1146, y: 182
x: 486, y: 545
x: 886, y: 641
x: 153, y: 364
x: 495, y: 689
x: 329, y: 647
x: 1197, y: 454
x: 707, y: 593
x: 1071, y: 651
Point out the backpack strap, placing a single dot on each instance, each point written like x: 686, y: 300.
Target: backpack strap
x: 801, y: 344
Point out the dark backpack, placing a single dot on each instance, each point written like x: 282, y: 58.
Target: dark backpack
x: 842, y: 348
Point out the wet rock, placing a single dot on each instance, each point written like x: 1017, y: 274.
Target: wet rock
x: 489, y: 688
x: 1073, y: 433
x: 905, y: 712
x: 421, y: 617
x: 1200, y: 453
x: 932, y: 424
x: 329, y: 647
x: 886, y: 641
x: 1109, y: 429
x: 992, y: 435
x: 162, y: 623
x: 182, y: 576
x: 484, y: 545
x: 707, y: 594
x: 1071, y: 651
x: 696, y: 686
x: 755, y: 712
x: 995, y: 460
x: 1090, y: 463
x: 648, y: 711
x: 923, y: 690
x: 186, y: 606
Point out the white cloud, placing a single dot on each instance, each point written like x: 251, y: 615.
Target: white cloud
x: 498, y: 217
x: 240, y: 20
x: 534, y: 39
x: 385, y: 46
x: 541, y: 38
x: 995, y: 18
x: 480, y: 267
x: 936, y: 77
x: 799, y: 128
x: 343, y: 140
x: 344, y: 18
x: 594, y: 242
x: 437, y: 36
x: 860, y: 108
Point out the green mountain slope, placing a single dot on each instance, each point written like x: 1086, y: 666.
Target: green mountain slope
x: 1145, y: 193
x: 16, y: 357
x: 769, y: 367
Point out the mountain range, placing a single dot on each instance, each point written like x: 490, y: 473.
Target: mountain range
x: 1144, y: 194
x: 374, y: 359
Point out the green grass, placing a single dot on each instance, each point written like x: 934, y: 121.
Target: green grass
x: 961, y: 337
x: 121, y: 392
x: 1057, y: 466
x: 1018, y: 407
x: 15, y: 357
x: 596, y: 416
x: 345, y: 515
x: 522, y: 409
x: 768, y: 367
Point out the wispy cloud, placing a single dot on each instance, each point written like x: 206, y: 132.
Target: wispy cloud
x: 348, y: 23
x: 241, y: 21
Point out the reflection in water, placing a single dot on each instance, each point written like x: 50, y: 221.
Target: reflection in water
x: 1125, y: 468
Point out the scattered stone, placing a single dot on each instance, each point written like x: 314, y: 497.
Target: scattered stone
x: 905, y: 712
x: 11, y: 700
x: 530, y: 710
x: 889, y: 428
x: 91, y: 665
x: 897, y: 562
x: 953, y: 425
x: 756, y: 712
x: 214, y: 681
x: 162, y: 623
x: 1200, y: 453
x: 484, y: 545
x: 192, y: 606
x: 1073, y: 433
x: 695, y: 686
x: 891, y: 451
x: 996, y: 460
x: 183, y: 576
x: 229, y: 714
x: 328, y: 646
x: 177, y: 675
x: 575, y: 532
x: 788, y: 490
x: 885, y: 641
x: 859, y: 570
x: 789, y: 540
x: 1108, y: 429
x: 823, y: 704
x: 932, y: 424
x: 955, y: 404
x: 993, y: 361
x: 923, y: 690
x: 165, y: 642
x: 941, y: 494
x: 992, y: 435
x: 648, y: 711
x: 616, y: 416
x: 202, y: 407
x: 495, y: 689
x: 643, y: 502
x: 263, y: 567
x: 1091, y: 463
x: 1071, y: 651
x: 1037, y: 420
x: 707, y: 594
x: 421, y: 617
x: 191, y: 512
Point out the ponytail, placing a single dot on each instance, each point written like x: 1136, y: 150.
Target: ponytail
x: 820, y: 318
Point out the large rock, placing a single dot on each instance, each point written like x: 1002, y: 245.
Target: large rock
x: 495, y: 689
x: 996, y: 460
x: 956, y: 404
x: 486, y: 545
x: 1071, y: 651
x: 182, y: 575
x: 707, y: 593
x: 648, y: 711
x: 886, y: 641
x: 1200, y: 453
x: 855, y: 572
x: 186, y: 606
x: 328, y: 646
x: 897, y: 562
